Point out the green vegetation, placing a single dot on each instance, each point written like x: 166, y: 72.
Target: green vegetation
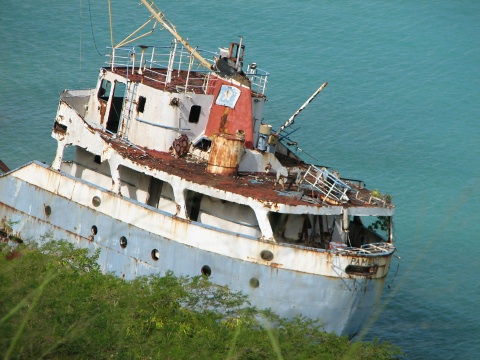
x: 56, y: 304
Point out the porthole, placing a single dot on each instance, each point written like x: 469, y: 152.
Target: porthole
x: 155, y: 254
x: 254, y: 283
x: 47, y: 210
x: 96, y: 201
x: 123, y: 242
x: 206, y: 270
x: 266, y: 255
x: 94, y: 230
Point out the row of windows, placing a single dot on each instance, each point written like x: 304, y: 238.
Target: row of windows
x: 104, y: 94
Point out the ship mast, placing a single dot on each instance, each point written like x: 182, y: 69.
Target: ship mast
x: 160, y: 17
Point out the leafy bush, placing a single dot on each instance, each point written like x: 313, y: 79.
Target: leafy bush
x: 55, y: 303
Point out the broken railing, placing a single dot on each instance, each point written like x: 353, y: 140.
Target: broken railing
x: 326, y: 183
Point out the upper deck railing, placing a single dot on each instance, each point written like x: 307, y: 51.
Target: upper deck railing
x: 164, y: 64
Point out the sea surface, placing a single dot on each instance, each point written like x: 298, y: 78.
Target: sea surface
x: 401, y: 111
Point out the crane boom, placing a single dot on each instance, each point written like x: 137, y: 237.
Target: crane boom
x: 290, y: 121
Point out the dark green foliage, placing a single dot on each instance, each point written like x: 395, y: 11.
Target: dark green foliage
x: 56, y: 304
x: 382, y: 223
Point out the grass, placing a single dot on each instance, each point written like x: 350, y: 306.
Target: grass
x: 55, y: 303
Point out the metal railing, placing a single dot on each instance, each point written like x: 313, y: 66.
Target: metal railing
x: 326, y: 183
x: 164, y: 64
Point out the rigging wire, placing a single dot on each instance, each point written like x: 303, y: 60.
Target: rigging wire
x: 91, y: 27
x: 81, y: 28
x: 295, y: 146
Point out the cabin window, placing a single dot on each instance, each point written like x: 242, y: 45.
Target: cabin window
x: 97, y: 159
x: 104, y: 90
x: 194, y: 116
x: 116, y: 107
x: 141, y: 104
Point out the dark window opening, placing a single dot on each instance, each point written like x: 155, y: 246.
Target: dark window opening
x: 254, y: 283
x: 204, y: 144
x: 193, y: 204
x: 266, y: 255
x: 97, y: 159
x: 155, y: 254
x: 361, y: 270
x: 104, y: 90
x: 116, y: 108
x: 194, y: 116
x: 59, y: 128
x: 141, y: 104
x: 206, y: 270
x: 154, y: 191
x: 96, y: 201
x: 94, y: 230
x: 123, y: 242
x: 48, y: 210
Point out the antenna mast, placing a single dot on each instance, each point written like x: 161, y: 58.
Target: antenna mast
x: 160, y: 17
x: 111, y: 28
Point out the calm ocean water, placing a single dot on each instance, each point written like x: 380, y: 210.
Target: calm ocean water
x: 401, y: 111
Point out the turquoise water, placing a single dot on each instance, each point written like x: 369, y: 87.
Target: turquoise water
x: 401, y: 112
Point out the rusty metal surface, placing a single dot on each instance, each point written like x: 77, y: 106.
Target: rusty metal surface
x: 3, y: 168
x: 259, y: 186
x: 155, y: 79
x: 225, y: 154
x: 256, y: 185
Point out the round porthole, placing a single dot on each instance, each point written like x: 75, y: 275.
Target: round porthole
x: 94, y: 230
x: 123, y: 242
x: 96, y: 201
x: 155, y: 254
x: 206, y: 270
x: 254, y: 283
x: 47, y: 210
x: 266, y: 255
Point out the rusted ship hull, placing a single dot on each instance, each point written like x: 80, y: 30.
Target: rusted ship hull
x: 174, y: 169
x: 136, y: 240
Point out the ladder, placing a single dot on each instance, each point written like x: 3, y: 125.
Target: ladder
x: 127, y: 108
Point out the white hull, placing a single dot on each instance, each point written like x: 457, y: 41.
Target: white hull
x: 297, y: 281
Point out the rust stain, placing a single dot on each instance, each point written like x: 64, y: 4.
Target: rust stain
x: 276, y: 265
x: 3, y: 168
x: 103, y: 109
x: 223, y: 122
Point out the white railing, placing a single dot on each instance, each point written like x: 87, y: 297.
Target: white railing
x: 163, y: 64
x: 326, y: 183
x: 258, y: 78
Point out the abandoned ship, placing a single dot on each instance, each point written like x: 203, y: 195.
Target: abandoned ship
x: 175, y: 169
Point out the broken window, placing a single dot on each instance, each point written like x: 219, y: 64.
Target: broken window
x: 104, y: 90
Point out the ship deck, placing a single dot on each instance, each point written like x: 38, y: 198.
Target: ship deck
x: 181, y: 80
x: 260, y: 186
